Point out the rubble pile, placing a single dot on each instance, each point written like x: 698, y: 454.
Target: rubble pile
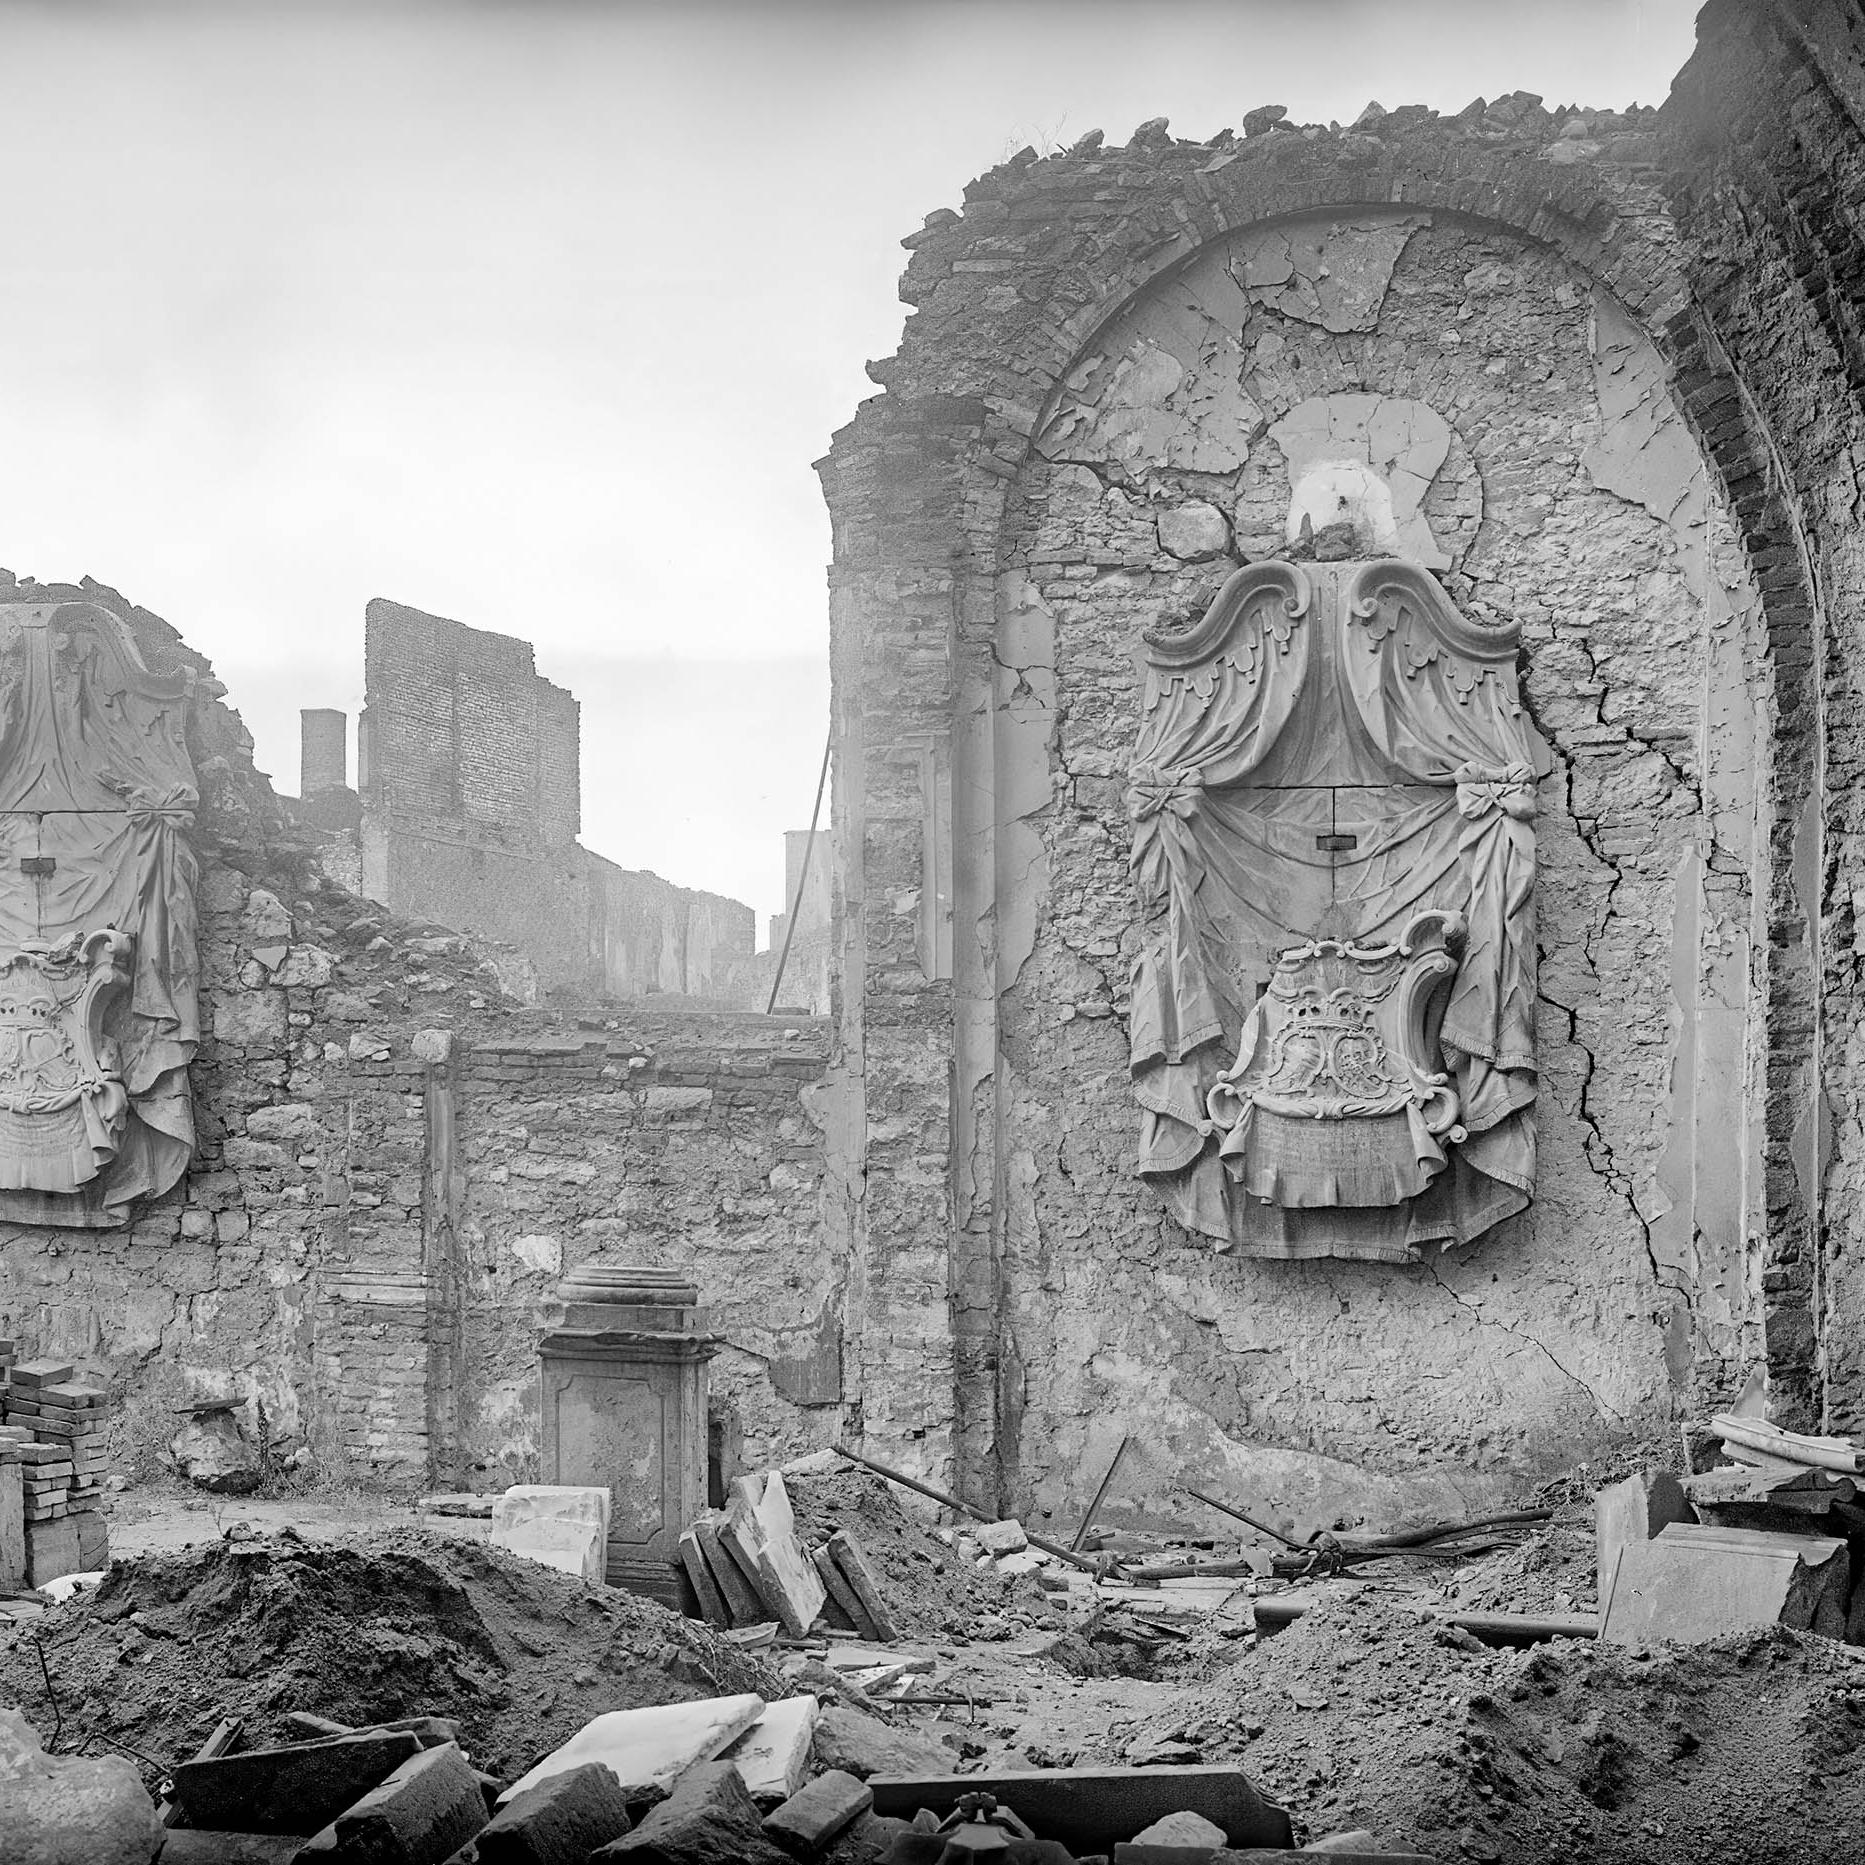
x: 928, y: 1584
x: 1370, y: 1712
x: 360, y: 1631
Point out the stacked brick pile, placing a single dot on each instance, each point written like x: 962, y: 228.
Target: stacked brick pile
x: 53, y: 1432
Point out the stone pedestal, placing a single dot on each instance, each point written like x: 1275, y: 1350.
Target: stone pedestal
x: 623, y: 1392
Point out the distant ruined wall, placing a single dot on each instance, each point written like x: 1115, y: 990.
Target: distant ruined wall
x: 471, y: 801
x: 1117, y: 361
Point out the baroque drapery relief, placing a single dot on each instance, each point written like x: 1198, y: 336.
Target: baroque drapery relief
x: 1333, y: 798
x: 98, y: 963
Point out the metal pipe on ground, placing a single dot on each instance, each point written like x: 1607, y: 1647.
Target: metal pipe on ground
x: 1053, y: 1548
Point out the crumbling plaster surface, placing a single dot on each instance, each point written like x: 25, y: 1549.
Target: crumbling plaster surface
x: 1575, y: 502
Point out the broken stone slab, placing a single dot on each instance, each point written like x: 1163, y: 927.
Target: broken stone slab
x: 863, y: 1745
x: 773, y: 1754
x: 1095, y: 1809
x: 841, y: 1594
x: 70, y: 1809
x: 560, y: 1821
x: 296, y: 1789
x: 708, y: 1819
x: 1695, y: 1583
x: 712, y: 1606
x: 847, y: 1555
x: 741, y: 1596
x: 561, y: 1525
x: 811, y: 1820
x: 850, y: 1656
x: 421, y: 1815
x: 1637, y: 1509
x: 1180, y: 1838
x: 787, y: 1577
x: 648, y: 1750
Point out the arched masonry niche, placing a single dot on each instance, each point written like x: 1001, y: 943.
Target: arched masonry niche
x: 1099, y: 412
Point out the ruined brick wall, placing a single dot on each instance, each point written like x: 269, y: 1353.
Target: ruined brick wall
x: 1114, y: 358
x: 394, y: 1160
x: 461, y: 724
x: 1767, y: 180
x: 471, y: 773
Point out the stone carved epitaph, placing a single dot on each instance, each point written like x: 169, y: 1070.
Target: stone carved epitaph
x: 1333, y: 797
x: 98, y: 962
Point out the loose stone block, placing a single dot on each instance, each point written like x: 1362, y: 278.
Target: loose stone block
x: 739, y: 1593
x: 12, y: 1527
x: 811, y: 1819
x: 67, y: 1809
x: 560, y: 1525
x: 51, y: 1550
x: 560, y: 1821
x: 648, y: 1750
x: 1694, y: 1583
x: 1637, y: 1509
x: 712, y: 1606
x: 422, y: 1814
x: 296, y: 1789
x: 773, y: 1753
x: 847, y: 1555
x: 999, y: 1537
x: 841, y: 1594
x: 862, y: 1745
x: 708, y: 1819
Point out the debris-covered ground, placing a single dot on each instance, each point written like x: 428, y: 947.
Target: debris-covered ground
x: 1364, y: 1713
x: 1369, y: 1711
x: 360, y: 1630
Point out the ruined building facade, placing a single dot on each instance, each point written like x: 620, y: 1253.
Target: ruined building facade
x: 1344, y: 949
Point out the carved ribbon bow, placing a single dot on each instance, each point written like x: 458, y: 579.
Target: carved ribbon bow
x: 1151, y: 790
x: 1485, y: 789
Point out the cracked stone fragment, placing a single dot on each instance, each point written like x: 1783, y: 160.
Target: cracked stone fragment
x: 1327, y: 272
x: 1194, y: 532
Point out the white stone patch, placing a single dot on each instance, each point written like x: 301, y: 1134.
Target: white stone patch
x: 544, y: 1254
x: 1370, y: 457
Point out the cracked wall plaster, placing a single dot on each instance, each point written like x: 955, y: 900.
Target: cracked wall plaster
x: 1332, y: 273
x: 1622, y: 1294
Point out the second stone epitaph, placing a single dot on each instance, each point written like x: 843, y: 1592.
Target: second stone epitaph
x: 1333, y: 800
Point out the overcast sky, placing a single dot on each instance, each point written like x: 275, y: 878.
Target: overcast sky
x: 536, y: 316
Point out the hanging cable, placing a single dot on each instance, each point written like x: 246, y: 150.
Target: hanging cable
x: 809, y: 849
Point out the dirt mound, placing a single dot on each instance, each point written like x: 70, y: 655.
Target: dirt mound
x: 1745, y: 1752
x: 929, y: 1590
x: 361, y: 1629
